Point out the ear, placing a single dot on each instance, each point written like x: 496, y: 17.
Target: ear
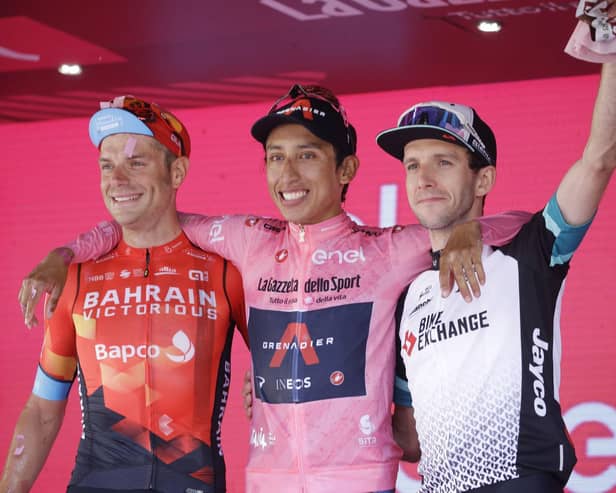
x: 348, y: 169
x: 179, y: 169
x: 486, y: 177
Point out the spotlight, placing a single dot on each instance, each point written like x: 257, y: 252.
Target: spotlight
x: 487, y: 26
x: 70, y: 69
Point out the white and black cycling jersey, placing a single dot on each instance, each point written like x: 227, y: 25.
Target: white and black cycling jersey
x: 484, y: 376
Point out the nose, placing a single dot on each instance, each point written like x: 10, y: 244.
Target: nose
x: 119, y: 175
x: 425, y: 177
x: 288, y: 169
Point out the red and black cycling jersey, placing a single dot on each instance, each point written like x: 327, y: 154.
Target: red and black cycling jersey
x: 148, y: 332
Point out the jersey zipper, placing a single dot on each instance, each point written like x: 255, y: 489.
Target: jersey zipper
x: 148, y: 376
x: 146, y: 271
x: 298, y: 408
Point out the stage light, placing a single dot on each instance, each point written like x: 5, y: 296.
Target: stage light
x: 70, y: 69
x: 487, y: 26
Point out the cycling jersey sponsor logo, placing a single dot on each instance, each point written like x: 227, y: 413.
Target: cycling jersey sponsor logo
x: 272, y: 228
x: 196, y: 254
x: 96, y: 278
x: 271, y: 285
x: 538, y: 349
x: 260, y: 439
x: 409, y: 342
x: 336, y: 378
x: 307, y: 356
x: 425, y: 292
x: 109, y: 256
x: 109, y: 276
x: 367, y: 428
x: 320, y: 257
x: 198, y: 275
x: 184, y: 344
x: 293, y: 383
x: 124, y: 273
x: 224, y: 397
x: 366, y: 230
x: 251, y: 221
x: 419, y: 307
x: 216, y: 231
x: 181, y: 351
x: 138, y: 272
x: 166, y: 270
x: 281, y: 255
x: 172, y: 248
x: 433, y: 328
x: 163, y: 425
x: 331, y: 284
x: 150, y: 299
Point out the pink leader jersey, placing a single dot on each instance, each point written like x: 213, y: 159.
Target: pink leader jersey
x: 320, y: 302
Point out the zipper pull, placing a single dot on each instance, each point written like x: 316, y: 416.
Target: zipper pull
x: 146, y: 272
x: 302, y: 234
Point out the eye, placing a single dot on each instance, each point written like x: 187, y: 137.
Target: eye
x: 106, y: 166
x: 410, y: 166
x: 274, y: 158
x: 137, y: 164
x: 307, y: 155
x: 444, y: 162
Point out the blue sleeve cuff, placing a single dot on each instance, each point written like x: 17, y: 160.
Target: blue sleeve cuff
x: 567, y: 237
x: 49, y: 388
x: 402, y: 394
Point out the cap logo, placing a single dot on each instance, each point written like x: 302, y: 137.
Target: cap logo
x: 305, y: 107
x: 449, y: 137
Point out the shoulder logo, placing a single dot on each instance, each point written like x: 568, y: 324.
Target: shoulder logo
x: 251, y: 221
x: 281, y: 255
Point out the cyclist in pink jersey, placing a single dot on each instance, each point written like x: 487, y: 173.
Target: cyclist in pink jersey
x: 320, y: 295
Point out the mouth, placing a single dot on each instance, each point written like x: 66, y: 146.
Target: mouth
x: 124, y: 199
x: 430, y: 199
x: 294, y: 195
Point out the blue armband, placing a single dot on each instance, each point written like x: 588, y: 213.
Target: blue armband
x: 568, y: 237
x: 49, y: 388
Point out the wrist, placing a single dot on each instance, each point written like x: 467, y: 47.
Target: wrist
x: 66, y: 254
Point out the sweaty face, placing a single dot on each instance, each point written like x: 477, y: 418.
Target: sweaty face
x: 135, y: 181
x: 301, y: 175
x: 441, y: 188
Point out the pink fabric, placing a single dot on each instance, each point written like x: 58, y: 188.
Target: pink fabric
x: 581, y: 46
x: 323, y: 445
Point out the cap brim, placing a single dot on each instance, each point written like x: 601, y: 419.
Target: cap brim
x: 393, y: 140
x: 263, y: 127
x: 111, y: 121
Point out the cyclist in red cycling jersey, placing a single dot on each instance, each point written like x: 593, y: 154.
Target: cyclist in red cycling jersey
x: 147, y: 330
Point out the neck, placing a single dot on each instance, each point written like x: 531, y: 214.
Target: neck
x: 145, y: 236
x: 440, y: 236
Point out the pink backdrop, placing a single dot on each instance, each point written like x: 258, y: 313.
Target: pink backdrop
x: 49, y: 192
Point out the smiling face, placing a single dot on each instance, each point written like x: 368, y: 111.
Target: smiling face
x: 441, y: 187
x: 138, y: 187
x: 302, y: 176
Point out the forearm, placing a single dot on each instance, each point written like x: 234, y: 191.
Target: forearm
x: 405, y: 433
x: 581, y: 189
x: 600, y: 149
x: 35, y: 432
